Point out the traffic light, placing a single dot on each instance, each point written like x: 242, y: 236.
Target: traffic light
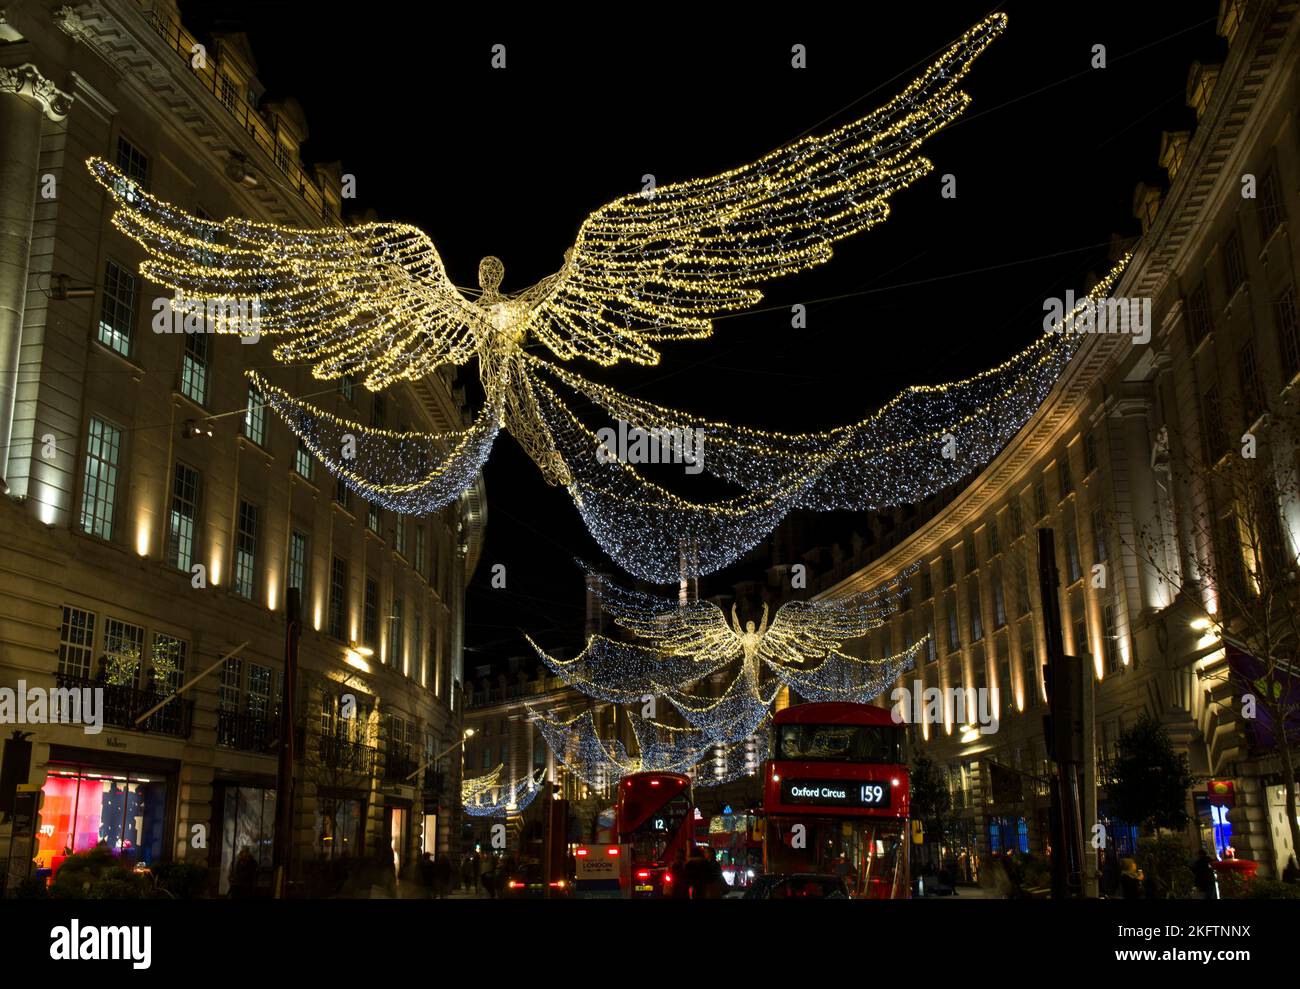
x: 1063, y: 725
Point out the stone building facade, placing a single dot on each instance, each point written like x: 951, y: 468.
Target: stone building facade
x: 1099, y: 465
x: 156, y: 512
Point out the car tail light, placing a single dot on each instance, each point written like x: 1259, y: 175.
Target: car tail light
x: 643, y: 873
x: 514, y: 885
x: 582, y: 852
x: 558, y: 884
x: 668, y: 878
x: 612, y: 850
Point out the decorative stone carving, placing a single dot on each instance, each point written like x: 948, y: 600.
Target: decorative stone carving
x: 70, y: 22
x: 26, y: 80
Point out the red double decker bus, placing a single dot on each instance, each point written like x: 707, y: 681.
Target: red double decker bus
x: 835, y: 798
x: 655, y: 817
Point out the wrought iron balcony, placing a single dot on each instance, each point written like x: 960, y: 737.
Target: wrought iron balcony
x: 248, y: 732
x: 398, y: 764
x: 123, y: 704
x: 342, y: 753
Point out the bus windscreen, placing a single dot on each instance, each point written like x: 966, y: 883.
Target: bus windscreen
x: 881, y: 744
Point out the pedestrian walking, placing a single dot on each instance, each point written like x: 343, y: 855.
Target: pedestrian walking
x: 1203, y: 874
x: 696, y: 870
x: 243, y: 875
x: 713, y: 882
x: 427, y: 878
x: 677, y: 873
x: 441, y: 876
x: 1130, y: 880
x: 1291, y: 874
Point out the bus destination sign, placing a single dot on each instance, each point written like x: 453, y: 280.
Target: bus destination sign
x: 837, y: 793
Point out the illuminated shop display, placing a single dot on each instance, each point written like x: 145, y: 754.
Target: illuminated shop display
x: 86, y: 808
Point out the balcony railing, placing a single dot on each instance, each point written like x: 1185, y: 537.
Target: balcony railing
x: 248, y: 732
x: 257, y: 128
x: 338, y: 752
x: 434, y: 783
x: 398, y: 764
x: 123, y: 704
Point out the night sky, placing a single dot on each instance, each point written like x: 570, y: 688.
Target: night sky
x: 510, y: 162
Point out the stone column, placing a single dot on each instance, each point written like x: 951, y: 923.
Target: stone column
x: 25, y: 96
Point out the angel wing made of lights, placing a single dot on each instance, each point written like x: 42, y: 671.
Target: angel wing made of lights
x: 374, y: 301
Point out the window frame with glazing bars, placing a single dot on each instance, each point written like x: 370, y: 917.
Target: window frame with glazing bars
x: 102, y: 498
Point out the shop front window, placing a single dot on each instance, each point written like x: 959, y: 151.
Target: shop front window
x: 248, y: 822
x: 86, y: 808
x: 338, y: 827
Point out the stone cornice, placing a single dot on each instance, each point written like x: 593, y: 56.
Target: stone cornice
x: 26, y: 80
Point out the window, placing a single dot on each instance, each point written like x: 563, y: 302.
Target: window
x: 345, y: 387
x: 169, y: 657
x: 419, y: 550
x: 949, y: 574
x: 1272, y: 211
x: 1040, y: 500
x: 257, y: 702
x: 1031, y: 667
x: 378, y: 409
x: 976, y: 616
x: 1198, y: 315
x: 228, y: 691
x: 397, y: 635
x: 1022, y: 588
x: 183, y: 517
x: 1234, y: 266
x: 1215, y: 440
x: 255, y: 416
x: 1073, y: 565
x: 123, y: 651
x: 1014, y: 518
x: 1252, y: 392
x: 194, y: 368
x: 298, y: 562
x: 927, y: 582
x: 399, y: 534
x: 1288, y: 339
x: 99, y: 484
x: 372, y: 517
x: 931, y: 646
x: 134, y: 164
x: 338, y: 596
x: 1066, y: 477
x: 1089, y: 453
x: 954, y: 634
x: 341, y: 493
x: 995, y: 538
x: 246, y: 551
x: 1099, y: 536
x: 76, y: 642
x: 302, y: 462
x: 370, y: 620
x: 999, y: 599
x: 1109, y: 629
x: 229, y: 94
x: 968, y: 551
x: 117, y: 308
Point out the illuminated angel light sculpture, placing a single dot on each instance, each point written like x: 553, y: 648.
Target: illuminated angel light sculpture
x: 681, y: 648
x: 472, y: 787
x: 512, y: 797
x: 374, y: 301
